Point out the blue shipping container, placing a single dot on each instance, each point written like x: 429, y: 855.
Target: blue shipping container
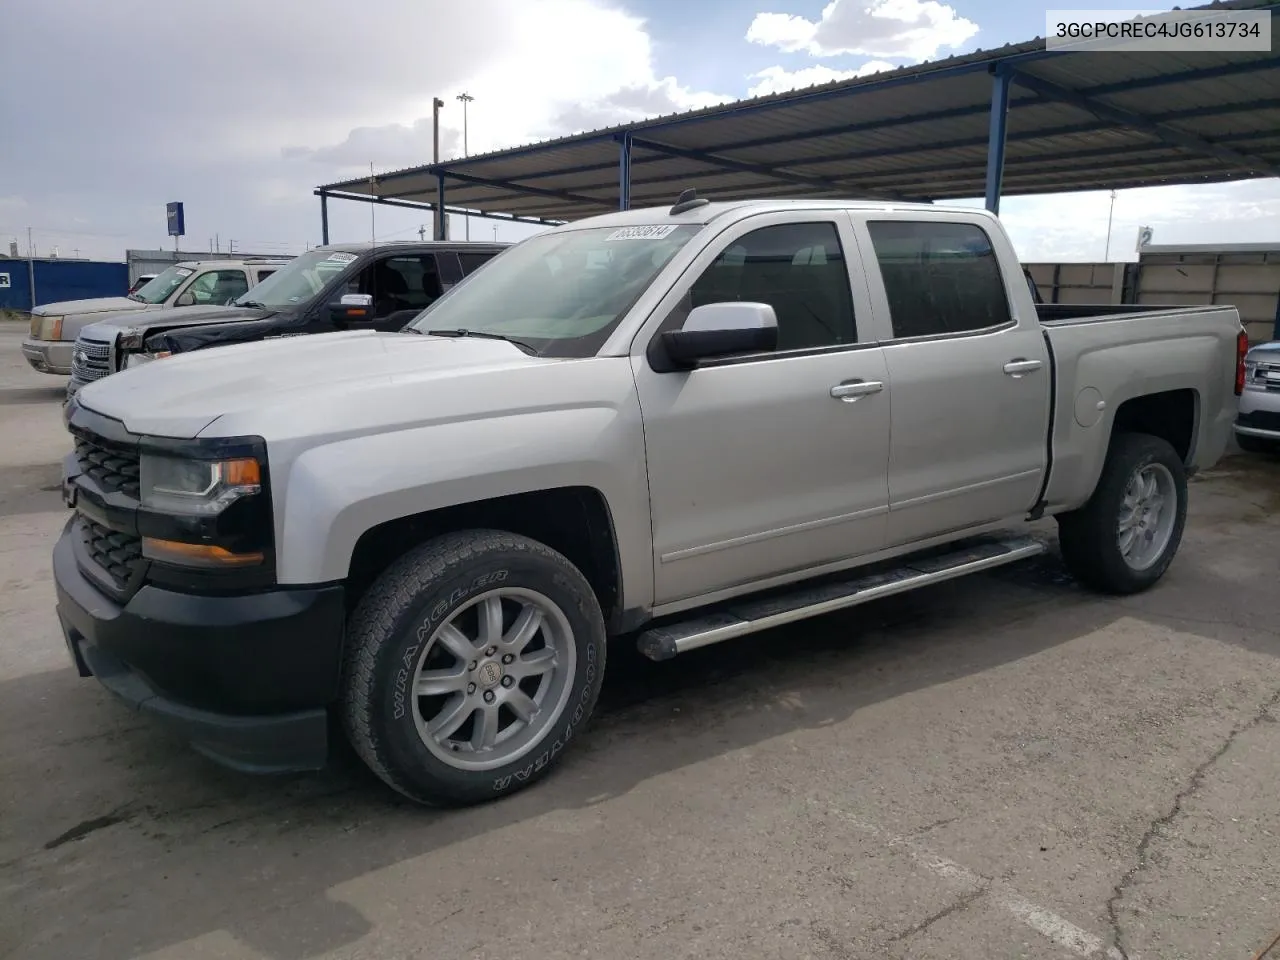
x: 60, y: 280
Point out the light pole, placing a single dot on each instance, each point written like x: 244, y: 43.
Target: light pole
x: 436, y: 104
x: 1106, y: 257
x: 465, y: 98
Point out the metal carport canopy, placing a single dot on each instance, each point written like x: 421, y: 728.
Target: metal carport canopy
x: 1075, y: 120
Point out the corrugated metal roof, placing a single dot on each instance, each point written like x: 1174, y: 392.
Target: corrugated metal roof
x: 1077, y: 121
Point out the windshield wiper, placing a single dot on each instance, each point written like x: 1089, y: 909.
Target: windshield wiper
x: 486, y: 335
x: 134, y: 297
x: 256, y: 304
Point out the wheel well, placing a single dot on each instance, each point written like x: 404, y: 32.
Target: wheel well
x: 573, y: 520
x: 1170, y: 415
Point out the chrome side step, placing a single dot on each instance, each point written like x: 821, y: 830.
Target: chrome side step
x: 751, y: 614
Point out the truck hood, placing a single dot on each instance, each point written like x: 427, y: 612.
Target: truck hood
x: 174, y: 317
x: 1269, y: 351
x: 249, y: 383
x: 72, y: 308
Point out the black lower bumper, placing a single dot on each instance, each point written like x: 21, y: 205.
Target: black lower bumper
x: 247, y: 678
x: 1265, y: 421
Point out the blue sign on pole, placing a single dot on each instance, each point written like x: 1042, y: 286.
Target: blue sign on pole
x: 177, y: 223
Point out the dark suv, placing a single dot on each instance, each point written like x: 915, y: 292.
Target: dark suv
x: 336, y: 287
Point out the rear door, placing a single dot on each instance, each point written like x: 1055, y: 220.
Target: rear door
x: 971, y: 381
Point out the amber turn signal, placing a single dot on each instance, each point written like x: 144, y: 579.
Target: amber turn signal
x: 196, y: 554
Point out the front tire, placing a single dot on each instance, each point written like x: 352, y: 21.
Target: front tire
x: 1124, y: 538
x: 471, y: 663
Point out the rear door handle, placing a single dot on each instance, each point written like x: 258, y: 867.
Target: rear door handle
x: 1020, y: 368
x: 851, y: 390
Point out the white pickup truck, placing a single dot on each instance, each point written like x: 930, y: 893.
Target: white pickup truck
x: 671, y: 426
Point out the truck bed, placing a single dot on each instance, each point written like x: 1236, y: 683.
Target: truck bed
x: 1120, y: 367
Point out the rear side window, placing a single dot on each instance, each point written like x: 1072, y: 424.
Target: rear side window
x: 940, y: 278
x: 473, y: 261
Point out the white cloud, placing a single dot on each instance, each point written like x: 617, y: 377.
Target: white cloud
x: 242, y: 126
x: 780, y: 79
x: 911, y: 29
x: 1073, y: 227
x: 526, y: 94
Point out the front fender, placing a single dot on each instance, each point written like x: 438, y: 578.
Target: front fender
x: 336, y: 492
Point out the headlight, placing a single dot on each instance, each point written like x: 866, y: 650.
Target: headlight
x: 196, y: 493
x: 138, y: 359
x: 50, y: 328
x: 200, y: 487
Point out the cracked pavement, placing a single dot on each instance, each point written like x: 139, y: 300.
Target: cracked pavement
x: 1001, y: 767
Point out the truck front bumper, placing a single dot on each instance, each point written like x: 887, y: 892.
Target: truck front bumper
x: 49, y: 356
x: 246, y: 679
x: 1259, y: 414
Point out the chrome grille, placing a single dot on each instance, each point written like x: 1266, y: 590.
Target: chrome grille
x: 114, y: 469
x: 90, y: 360
x: 117, y: 553
x: 1261, y: 372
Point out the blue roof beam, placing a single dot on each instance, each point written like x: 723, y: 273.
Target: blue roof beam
x: 997, y: 135
x: 1127, y: 118
x: 430, y: 207
x: 760, y: 170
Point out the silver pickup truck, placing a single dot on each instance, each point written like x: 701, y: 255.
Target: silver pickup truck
x: 675, y: 426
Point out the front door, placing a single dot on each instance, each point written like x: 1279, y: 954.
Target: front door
x: 756, y: 468
x: 971, y: 382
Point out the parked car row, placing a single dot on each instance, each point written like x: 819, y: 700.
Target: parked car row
x: 345, y: 286
x: 55, y: 326
x: 671, y: 426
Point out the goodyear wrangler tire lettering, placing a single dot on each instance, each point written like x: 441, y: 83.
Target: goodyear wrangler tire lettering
x: 473, y: 661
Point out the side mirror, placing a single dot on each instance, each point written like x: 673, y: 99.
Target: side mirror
x: 186, y: 300
x: 721, y: 330
x: 352, y: 308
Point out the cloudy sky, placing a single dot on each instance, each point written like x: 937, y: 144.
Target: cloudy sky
x: 241, y: 107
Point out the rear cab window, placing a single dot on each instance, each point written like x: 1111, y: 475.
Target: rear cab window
x: 941, y: 278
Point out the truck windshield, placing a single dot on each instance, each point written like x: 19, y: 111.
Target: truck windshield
x: 158, y: 290
x: 298, y: 280
x: 560, y: 293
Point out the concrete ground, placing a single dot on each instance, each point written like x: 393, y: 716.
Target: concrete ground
x: 999, y: 767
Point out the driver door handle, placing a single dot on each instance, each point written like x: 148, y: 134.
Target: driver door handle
x: 1021, y: 367
x: 851, y: 390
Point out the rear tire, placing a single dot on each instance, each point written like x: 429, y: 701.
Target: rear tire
x: 471, y: 663
x: 1124, y: 538
x: 1257, y: 444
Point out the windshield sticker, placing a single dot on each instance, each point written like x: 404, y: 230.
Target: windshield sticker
x: 184, y: 272
x: 642, y: 233
x: 341, y: 257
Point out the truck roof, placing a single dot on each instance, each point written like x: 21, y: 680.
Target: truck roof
x: 227, y: 262
x: 715, y: 210
x: 461, y: 245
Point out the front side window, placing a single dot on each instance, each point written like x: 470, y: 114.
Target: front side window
x: 561, y: 293
x: 799, y: 270
x: 940, y: 278
x: 399, y: 283
x: 218, y: 286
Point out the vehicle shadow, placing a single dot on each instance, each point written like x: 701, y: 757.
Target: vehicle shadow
x: 156, y: 847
